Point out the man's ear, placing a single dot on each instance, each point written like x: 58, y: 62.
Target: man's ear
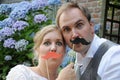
x: 92, y: 26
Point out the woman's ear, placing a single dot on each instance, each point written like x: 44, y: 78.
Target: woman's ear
x: 36, y: 53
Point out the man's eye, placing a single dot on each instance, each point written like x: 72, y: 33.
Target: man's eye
x: 59, y: 43
x: 46, y: 43
x: 79, y: 25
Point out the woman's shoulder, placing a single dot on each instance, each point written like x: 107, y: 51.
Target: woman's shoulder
x: 22, y: 72
x: 18, y: 68
x: 19, y: 71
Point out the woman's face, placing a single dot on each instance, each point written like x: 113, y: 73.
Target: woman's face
x: 52, y: 41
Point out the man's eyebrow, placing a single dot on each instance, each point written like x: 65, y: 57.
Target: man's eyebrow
x: 80, y: 20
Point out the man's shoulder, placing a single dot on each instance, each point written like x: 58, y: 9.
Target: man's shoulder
x: 112, y: 45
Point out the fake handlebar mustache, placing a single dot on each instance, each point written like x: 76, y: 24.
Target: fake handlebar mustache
x: 79, y: 40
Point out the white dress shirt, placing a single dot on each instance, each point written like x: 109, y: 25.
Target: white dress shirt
x: 109, y: 67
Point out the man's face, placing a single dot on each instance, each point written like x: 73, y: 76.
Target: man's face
x: 74, y: 24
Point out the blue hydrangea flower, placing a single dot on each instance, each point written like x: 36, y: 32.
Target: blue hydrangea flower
x: 54, y: 2
x: 8, y: 57
x: 18, y: 14
x: 39, y: 18
x: 19, y: 25
x: 8, y: 22
x: 9, y: 43
x: 1, y: 24
x: 5, y: 9
x: 97, y: 28
x: 25, y: 5
x: 21, y: 10
x: 13, y: 5
x: 6, y: 31
x: 21, y: 45
x: 32, y: 34
x: 26, y: 63
x: 2, y: 36
x: 38, y: 4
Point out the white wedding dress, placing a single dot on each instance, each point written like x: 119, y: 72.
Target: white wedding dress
x: 22, y: 72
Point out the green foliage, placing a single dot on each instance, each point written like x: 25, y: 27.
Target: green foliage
x: 117, y: 2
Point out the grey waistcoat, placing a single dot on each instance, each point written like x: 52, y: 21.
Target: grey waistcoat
x: 91, y: 71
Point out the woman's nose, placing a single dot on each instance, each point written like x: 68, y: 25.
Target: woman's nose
x: 53, y: 48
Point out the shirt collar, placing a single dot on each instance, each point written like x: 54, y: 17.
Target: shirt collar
x: 93, y: 48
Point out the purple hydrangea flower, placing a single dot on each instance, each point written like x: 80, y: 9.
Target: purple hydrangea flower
x: 54, y: 2
x: 21, y: 45
x: 39, y: 18
x: 19, y: 25
x: 38, y: 4
x: 8, y: 57
x: 9, y: 43
x: 6, y: 31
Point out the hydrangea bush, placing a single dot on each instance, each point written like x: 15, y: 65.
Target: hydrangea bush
x: 18, y: 24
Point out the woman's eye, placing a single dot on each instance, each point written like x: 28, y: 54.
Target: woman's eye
x: 46, y: 43
x: 66, y: 29
x: 59, y: 43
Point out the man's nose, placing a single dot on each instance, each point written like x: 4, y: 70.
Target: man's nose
x: 74, y: 33
x: 53, y: 48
